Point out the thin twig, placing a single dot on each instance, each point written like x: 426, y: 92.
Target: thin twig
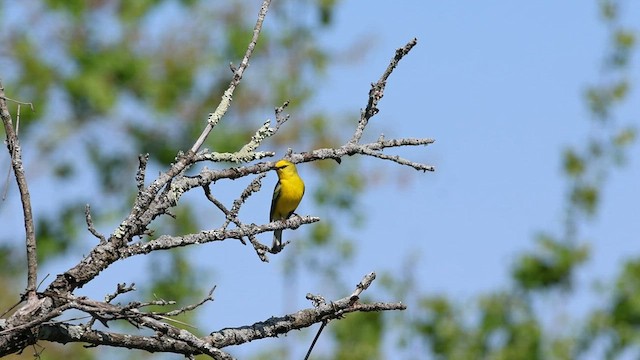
x: 318, y: 301
x: 41, y: 281
x: 92, y: 229
x: 377, y: 91
x: 275, y: 326
x: 121, y: 288
x: 142, y: 167
x: 13, y: 144
x: 315, y: 339
x: 280, y: 118
x: 6, y: 182
x: 228, y: 215
x: 232, y: 215
x: 189, y: 307
x: 362, y: 286
x: 4, y: 97
x: 225, y: 102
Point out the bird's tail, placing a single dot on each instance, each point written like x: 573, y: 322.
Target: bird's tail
x: 277, y: 240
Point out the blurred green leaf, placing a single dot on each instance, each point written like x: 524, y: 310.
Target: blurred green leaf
x: 553, y: 264
x: 358, y: 336
x: 573, y: 164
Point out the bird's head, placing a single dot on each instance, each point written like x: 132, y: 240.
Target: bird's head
x: 285, y: 167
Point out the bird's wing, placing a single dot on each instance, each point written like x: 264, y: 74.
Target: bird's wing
x: 274, y: 200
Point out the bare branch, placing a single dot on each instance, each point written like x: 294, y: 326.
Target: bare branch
x: 247, y: 153
x: 66, y: 333
x: 6, y: 183
x: 232, y: 157
x: 13, y: 145
x: 121, y: 289
x: 225, y: 102
x: 149, y: 204
x: 136, y: 223
x: 251, y: 189
x: 142, y: 168
x: 185, y: 336
x: 280, y: 118
x: 4, y: 97
x: 36, y: 321
x: 207, y: 176
x: 189, y: 307
x: 377, y: 91
x: 228, y: 215
x: 363, y: 285
x: 319, y: 300
x: 304, y: 318
x: 232, y: 215
x: 92, y: 229
x: 143, y: 211
x: 166, y: 242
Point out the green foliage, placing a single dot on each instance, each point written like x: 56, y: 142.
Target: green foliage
x: 326, y: 11
x: 9, y: 260
x: 175, y: 278
x: 134, y: 10
x: 76, y: 8
x: 36, y: 76
x: 574, y: 165
x: 173, y: 275
x: 586, y: 197
x: 602, y: 98
x: 616, y: 327
x: 358, y: 336
x: 552, y: 266
x: 440, y: 326
x: 504, y: 324
x: 57, y: 235
x: 506, y: 329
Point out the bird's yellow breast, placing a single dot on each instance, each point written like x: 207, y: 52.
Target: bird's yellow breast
x: 291, y: 191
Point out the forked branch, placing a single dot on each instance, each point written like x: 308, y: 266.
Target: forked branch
x: 37, y: 320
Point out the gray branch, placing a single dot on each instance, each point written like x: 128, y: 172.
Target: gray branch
x: 36, y: 319
x: 275, y: 326
x: 15, y: 152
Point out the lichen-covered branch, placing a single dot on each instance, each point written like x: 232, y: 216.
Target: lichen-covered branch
x: 275, y: 326
x: 225, y: 102
x: 171, y: 339
x: 166, y: 242
x: 37, y: 320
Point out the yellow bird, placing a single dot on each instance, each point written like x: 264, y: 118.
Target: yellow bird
x: 286, y: 196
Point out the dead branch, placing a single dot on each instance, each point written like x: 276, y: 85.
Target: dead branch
x: 304, y: 318
x: 13, y: 145
x: 37, y: 319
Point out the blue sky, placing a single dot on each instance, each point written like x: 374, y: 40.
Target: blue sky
x: 499, y: 85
